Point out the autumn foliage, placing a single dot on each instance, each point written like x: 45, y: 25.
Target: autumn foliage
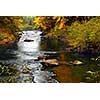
x: 80, y: 32
x: 9, y: 25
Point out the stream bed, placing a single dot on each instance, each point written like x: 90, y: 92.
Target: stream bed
x: 40, y: 60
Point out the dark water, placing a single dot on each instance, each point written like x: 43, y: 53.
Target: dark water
x: 25, y: 57
x: 88, y: 71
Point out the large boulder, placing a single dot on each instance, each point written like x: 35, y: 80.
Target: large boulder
x: 50, y: 62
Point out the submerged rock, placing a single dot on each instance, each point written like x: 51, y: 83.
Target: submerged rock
x: 34, y: 67
x: 43, y: 77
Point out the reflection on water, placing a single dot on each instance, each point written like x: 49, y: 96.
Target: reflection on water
x: 68, y: 72
x: 64, y: 75
x: 26, y: 59
x: 32, y: 49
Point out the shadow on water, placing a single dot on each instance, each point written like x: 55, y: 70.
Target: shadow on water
x: 67, y: 72
x: 22, y: 62
x: 24, y: 57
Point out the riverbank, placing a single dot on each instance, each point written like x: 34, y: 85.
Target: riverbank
x: 4, y: 44
x: 88, y: 49
x: 8, y: 40
x: 46, y: 61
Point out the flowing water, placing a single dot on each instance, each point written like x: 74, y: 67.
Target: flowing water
x: 29, y: 53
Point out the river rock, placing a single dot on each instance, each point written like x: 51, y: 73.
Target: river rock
x: 76, y: 62
x: 26, y: 71
x: 41, y: 57
x: 43, y: 77
x: 26, y: 40
x: 34, y: 67
x: 50, y: 62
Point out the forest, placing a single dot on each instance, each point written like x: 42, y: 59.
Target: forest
x: 76, y: 37
x: 79, y: 32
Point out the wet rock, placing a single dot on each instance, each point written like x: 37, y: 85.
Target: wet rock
x: 34, y: 67
x: 50, y: 62
x: 43, y: 73
x: 24, y: 78
x: 26, y: 71
x: 92, y: 76
x: 76, y: 62
x: 43, y: 77
x: 98, y: 65
x: 26, y: 40
x: 41, y: 57
x: 47, y: 55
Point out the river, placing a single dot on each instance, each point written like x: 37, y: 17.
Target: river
x: 29, y: 53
